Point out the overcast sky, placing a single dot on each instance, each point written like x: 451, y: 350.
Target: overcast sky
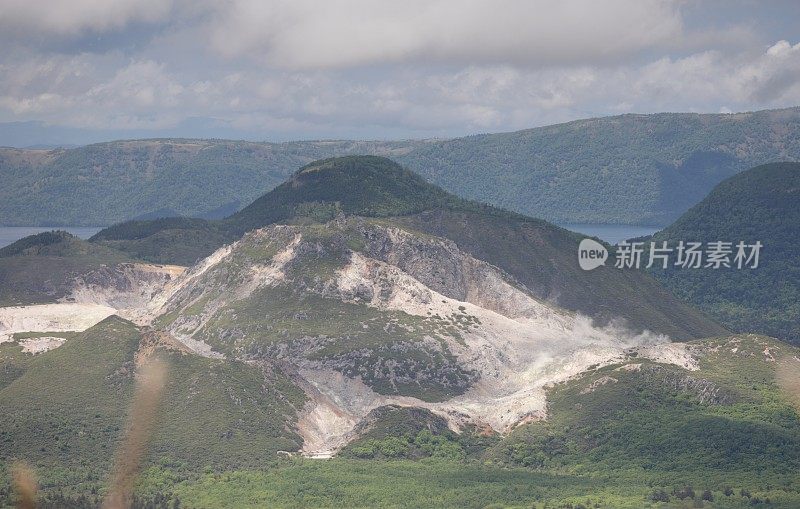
x: 297, y: 69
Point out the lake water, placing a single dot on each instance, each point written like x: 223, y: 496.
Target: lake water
x: 612, y: 233
x: 11, y: 234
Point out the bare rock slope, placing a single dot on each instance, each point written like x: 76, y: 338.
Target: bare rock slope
x: 365, y: 314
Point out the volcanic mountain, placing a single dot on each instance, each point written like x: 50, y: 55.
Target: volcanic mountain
x: 358, y: 310
x: 537, y: 255
x: 370, y: 287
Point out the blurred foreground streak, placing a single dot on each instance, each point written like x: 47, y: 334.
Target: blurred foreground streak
x: 142, y: 419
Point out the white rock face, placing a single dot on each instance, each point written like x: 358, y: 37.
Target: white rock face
x: 41, y: 344
x: 518, y: 356
x: 199, y: 285
x: 521, y: 348
x: 679, y: 354
x: 336, y: 405
x: 63, y: 317
x: 157, y: 304
x: 127, y: 290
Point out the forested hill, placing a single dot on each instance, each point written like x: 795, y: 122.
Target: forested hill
x: 758, y: 205
x: 107, y: 183
x: 636, y: 169
x: 629, y: 169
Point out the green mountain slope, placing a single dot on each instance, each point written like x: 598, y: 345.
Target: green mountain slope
x: 634, y: 434
x: 40, y: 268
x: 536, y: 253
x: 634, y: 169
x: 601, y: 420
x: 760, y: 204
x: 728, y: 425
x: 64, y: 409
x: 730, y: 416
x: 356, y: 185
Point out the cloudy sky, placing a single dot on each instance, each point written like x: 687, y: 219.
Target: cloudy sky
x: 295, y: 69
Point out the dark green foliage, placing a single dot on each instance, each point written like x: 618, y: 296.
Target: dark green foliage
x: 425, y: 484
x: 36, y: 243
x: 433, y: 484
x: 634, y: 169
x: 423, y: 445
x: 358, y: 185
x: 181, y: 241
x: 57, y: 243
x: 659, y: 496
x: 409, y: 433
x: 761, y: 204
x: 390, y: 484
x: 225, y: 413
x: 139, y: 229
x: 13, y: 363
x: 111, y: 182
x: 68, y: 407
x: 60, y: 500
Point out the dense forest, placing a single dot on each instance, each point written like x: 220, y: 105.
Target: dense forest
x: 758, y: 205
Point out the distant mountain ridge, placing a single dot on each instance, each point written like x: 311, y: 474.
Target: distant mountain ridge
x: 628, y: 169
x: 112, y: 182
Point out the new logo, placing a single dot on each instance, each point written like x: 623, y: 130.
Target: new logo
x: 591, y: 254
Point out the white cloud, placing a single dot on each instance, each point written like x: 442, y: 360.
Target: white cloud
x: 141, y: 85
x: 343, y: 33
x: 774, y: 77
x: 372, y: 69
x: 754, y: 79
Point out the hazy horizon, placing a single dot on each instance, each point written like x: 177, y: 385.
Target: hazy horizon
x: 17, y: 134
